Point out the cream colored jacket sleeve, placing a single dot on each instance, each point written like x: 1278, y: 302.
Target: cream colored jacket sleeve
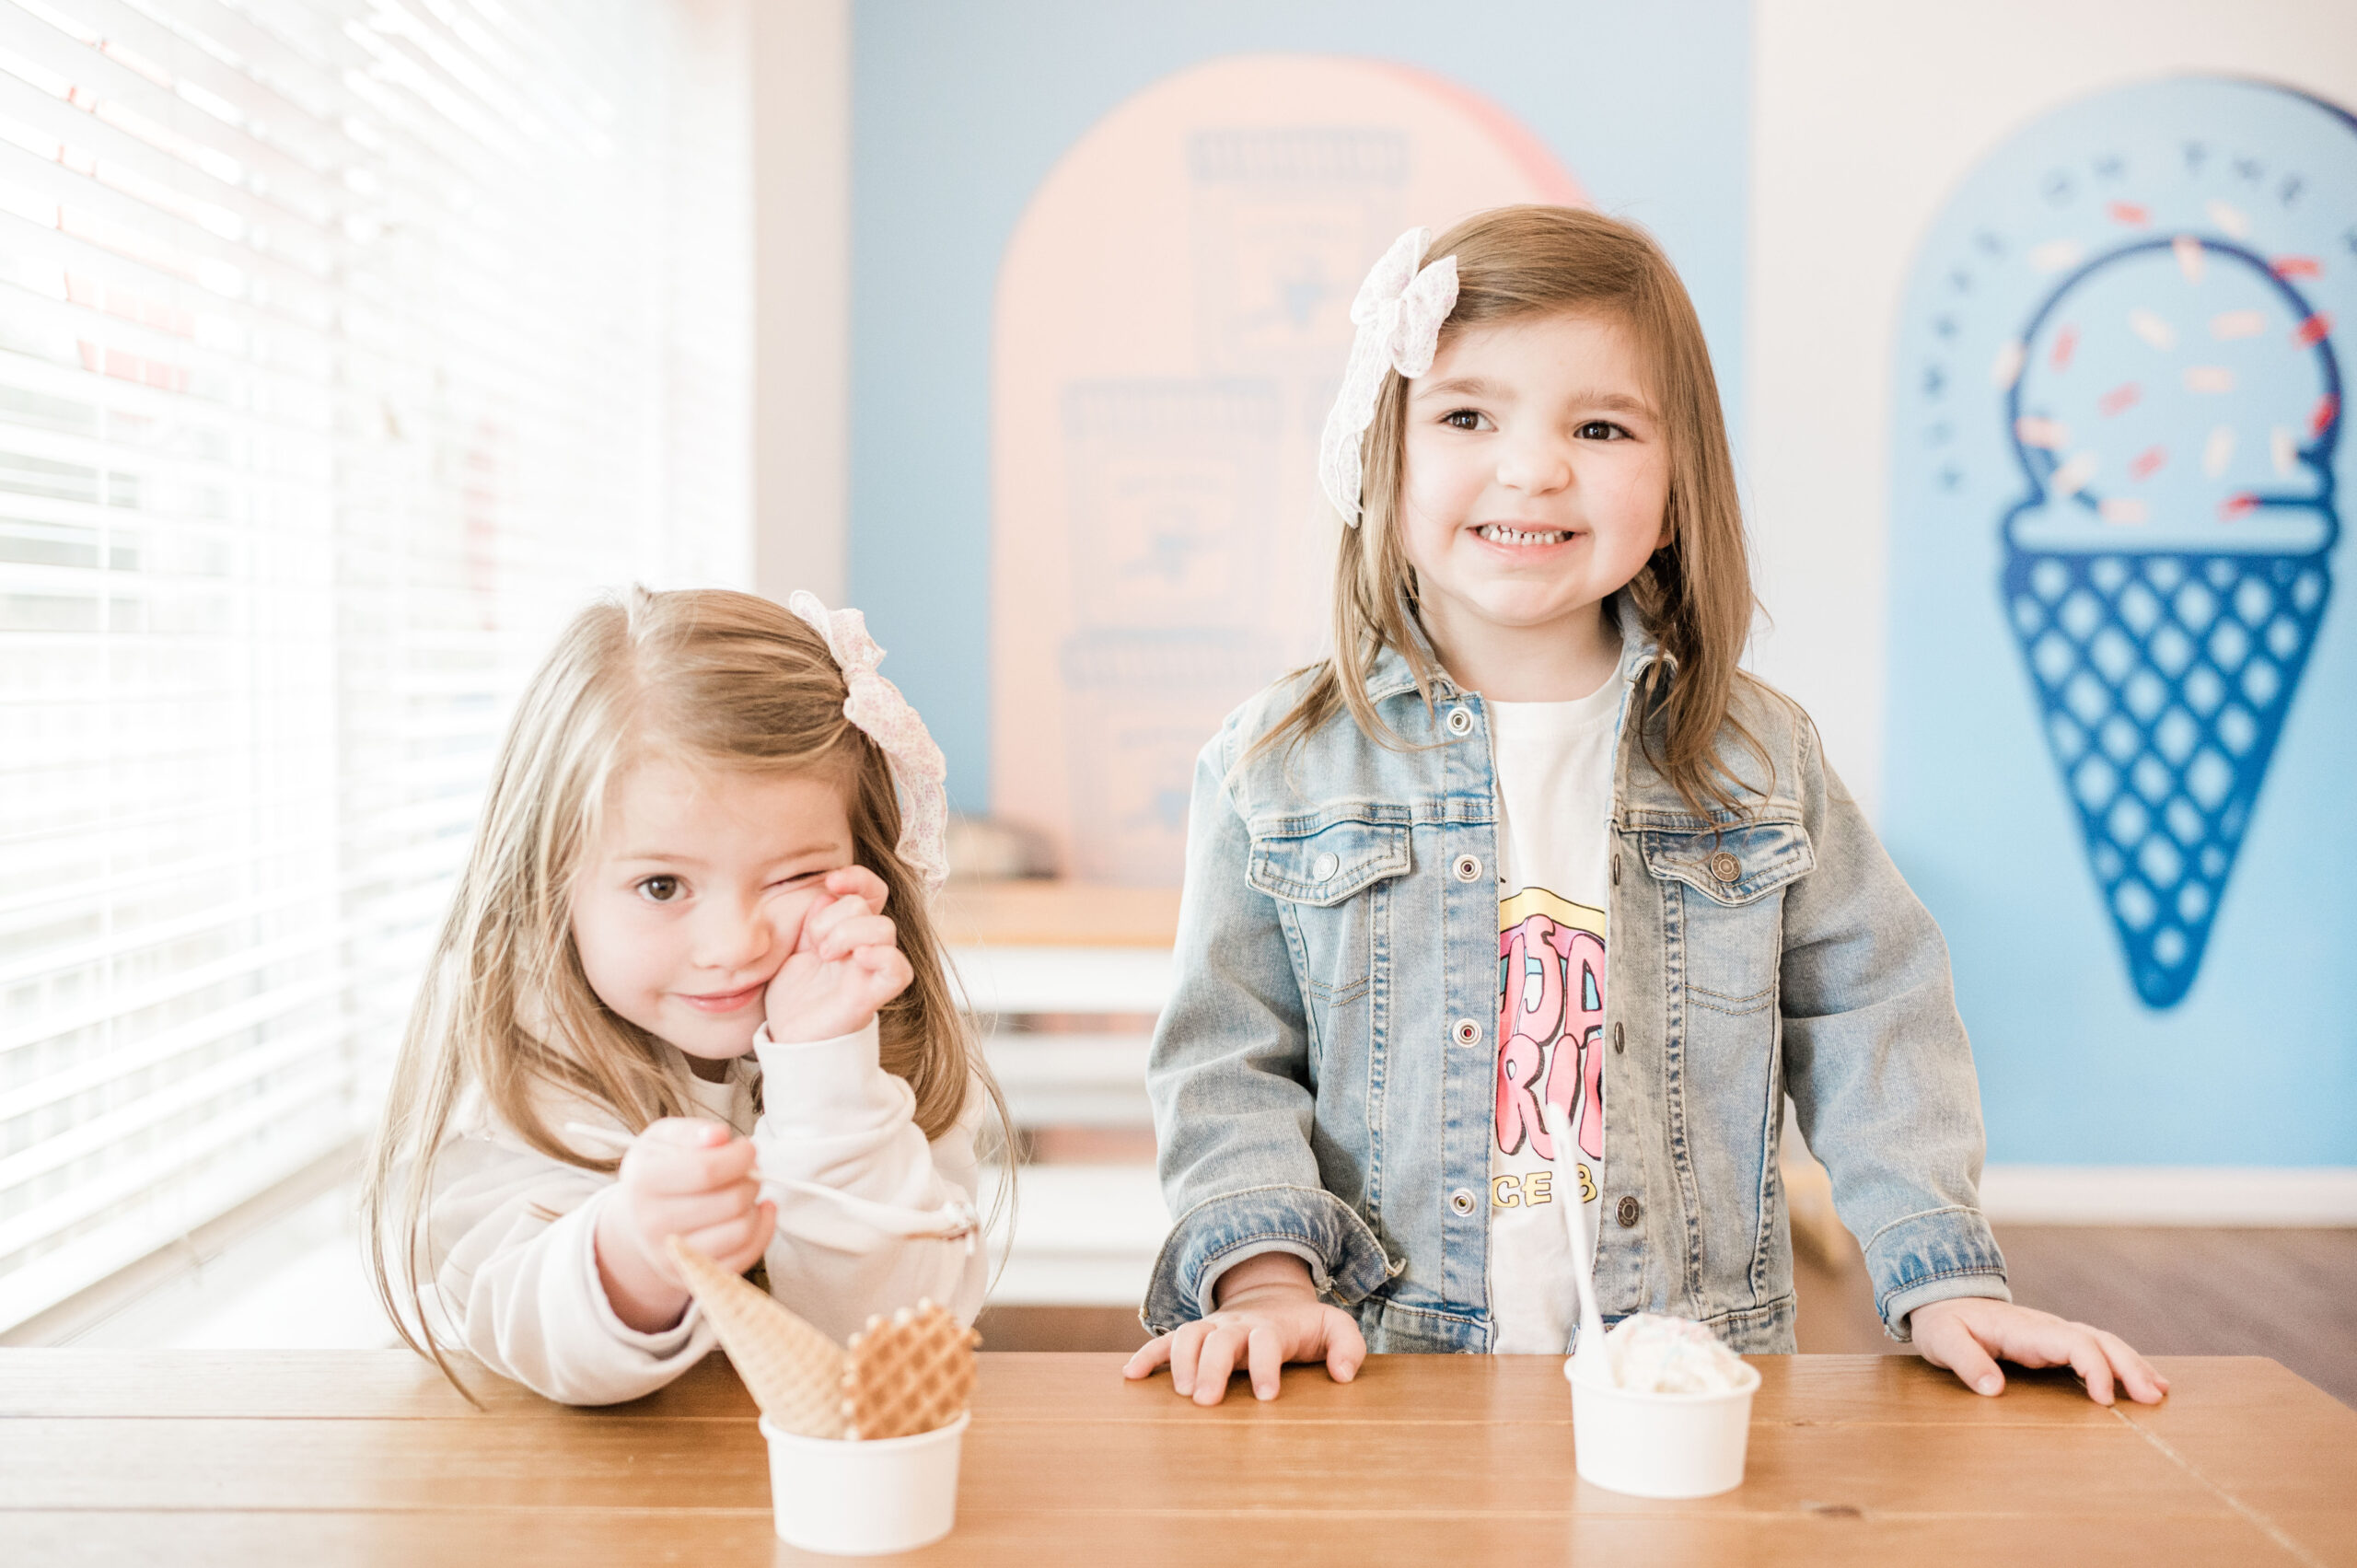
x: 511, y: 1231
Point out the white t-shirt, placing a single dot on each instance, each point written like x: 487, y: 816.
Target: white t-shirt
x: 1554, y: 780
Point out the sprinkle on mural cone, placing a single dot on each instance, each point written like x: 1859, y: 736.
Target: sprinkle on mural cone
x: 912, y: 1372
x: 795, y: 1373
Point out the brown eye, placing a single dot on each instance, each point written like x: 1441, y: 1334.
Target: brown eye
x: 1462, y: 419
x: 659, y: 889
x: 1601, y: 430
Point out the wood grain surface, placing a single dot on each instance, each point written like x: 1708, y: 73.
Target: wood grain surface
x: 366, y: 1456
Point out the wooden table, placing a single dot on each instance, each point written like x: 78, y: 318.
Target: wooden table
x: 335, y: 1457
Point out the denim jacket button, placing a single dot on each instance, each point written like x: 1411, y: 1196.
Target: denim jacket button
x: 1725, y: 867
x: 1467, y: 868
x: 1619, y: 1044
x: 1325, y: 865
x: 1462, y: 1200
x: 1466, y: 1032
x: 1460, y: 721
x: 1628, y: 1213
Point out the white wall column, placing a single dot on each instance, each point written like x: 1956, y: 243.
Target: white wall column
x: 802, y: 296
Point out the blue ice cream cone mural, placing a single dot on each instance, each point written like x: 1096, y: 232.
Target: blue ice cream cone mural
x: 2120, y: 727
x: 2175, y: 405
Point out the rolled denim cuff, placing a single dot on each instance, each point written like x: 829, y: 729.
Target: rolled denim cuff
x: 1932, y: 1257
x: 1346, y: 1262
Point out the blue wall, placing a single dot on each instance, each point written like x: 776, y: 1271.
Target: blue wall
x: 961, y: 107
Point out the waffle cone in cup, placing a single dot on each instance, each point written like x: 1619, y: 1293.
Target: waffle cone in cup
x: 909, y: 1373
x: 795, y: 1373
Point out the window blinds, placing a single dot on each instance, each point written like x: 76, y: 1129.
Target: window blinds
x: 345, y: 348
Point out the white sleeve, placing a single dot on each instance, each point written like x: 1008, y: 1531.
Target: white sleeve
x: 512, y: 1234
x: 833, y: 1117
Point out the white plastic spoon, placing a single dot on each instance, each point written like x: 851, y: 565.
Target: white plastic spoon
x: 1591, y: 1362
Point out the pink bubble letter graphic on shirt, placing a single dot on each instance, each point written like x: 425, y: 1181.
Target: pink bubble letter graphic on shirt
x: 1551, y: 1025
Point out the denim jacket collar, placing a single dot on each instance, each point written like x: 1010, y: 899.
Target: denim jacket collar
x: 1391, y: 675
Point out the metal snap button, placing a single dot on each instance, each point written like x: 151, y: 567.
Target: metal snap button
x: 1616, y: 870
x: 1619, y: 1044
x: 1460, y: 721
x: 1466, y: 1032
x: 1628, y: 1213
x: 1725, y: 867
x: 1467, y: 868
x: 1462, y: 1200
x: 1325, y: 865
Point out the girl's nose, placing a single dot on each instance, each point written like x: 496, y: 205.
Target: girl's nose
x: 732, y: 935
x: 1534, y: 465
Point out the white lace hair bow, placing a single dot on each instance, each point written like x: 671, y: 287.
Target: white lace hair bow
x: 1398, y: 312
x: 876, y: 706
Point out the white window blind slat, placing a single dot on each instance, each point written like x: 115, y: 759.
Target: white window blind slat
x: 345, y: 347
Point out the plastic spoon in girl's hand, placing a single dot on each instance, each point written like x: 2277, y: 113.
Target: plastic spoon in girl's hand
x: 1591, y: 1358
x: 951, y: 1222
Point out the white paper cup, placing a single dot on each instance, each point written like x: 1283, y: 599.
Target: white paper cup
x: 1661, y: 1444
x: 858, y: 1499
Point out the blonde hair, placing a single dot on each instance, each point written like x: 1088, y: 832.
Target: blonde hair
x: 1694, y: 596
x: 727, y: 680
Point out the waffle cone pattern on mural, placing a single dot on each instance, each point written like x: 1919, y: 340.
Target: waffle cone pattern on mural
x: 909, y: 1373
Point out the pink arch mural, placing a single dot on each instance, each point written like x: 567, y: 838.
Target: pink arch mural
x: 1172, y: 316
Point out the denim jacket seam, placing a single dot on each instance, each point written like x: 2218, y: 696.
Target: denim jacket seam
x: 1715, y: 1001
x: 1884, y: 1298
x: 1225, y: 1245
x: 1470, y: 1319
x: 1922, y: 1214
x: 1237, y: 1243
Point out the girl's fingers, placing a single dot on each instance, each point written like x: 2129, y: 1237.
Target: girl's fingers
x: 750, y: 1238
x: 859, y: 882
x: 725, y: 1245
x: 686, y: 1132
x: 1186, y: 1344
x: 1951, y: 1344
x: 1264, y: 1352
x: 828, y: 917
x: 1345, y: 1347
x: 1154, y: 1353
x: 2086, y: 1357
x: 683, y: 1211
x: 2143, y: 1383
x: 1216, y: 1365
x: 669, y: 1171
x: 849, y: 936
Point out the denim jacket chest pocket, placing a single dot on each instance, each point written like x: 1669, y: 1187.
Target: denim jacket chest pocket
x: 1725, y: 888
x: 1328, y: 879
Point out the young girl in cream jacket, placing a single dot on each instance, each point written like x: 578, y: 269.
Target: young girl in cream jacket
x: 688, y: 987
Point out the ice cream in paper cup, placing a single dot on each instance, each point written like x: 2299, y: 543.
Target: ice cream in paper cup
x: 1676, y: 1422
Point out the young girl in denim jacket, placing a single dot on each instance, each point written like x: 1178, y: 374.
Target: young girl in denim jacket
x: 1530, y: 837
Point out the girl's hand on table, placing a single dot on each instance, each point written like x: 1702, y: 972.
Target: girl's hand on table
x: 1968, y: 1335
x: 1268, y: 1314
x: 687, y: 1178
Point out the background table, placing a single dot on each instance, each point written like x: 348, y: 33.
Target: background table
x: 196, y: 1458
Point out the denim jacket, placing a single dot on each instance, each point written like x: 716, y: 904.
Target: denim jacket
x: 1324, y: 1079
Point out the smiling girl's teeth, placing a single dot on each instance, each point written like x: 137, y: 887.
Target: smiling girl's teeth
x: 1497, y: 535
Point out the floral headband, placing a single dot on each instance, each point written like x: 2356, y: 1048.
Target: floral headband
x: 1398, y: 313
x: 876, y: 706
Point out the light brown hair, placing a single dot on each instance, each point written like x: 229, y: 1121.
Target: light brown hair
x: 726, y: 680
x: 1694, y: 596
